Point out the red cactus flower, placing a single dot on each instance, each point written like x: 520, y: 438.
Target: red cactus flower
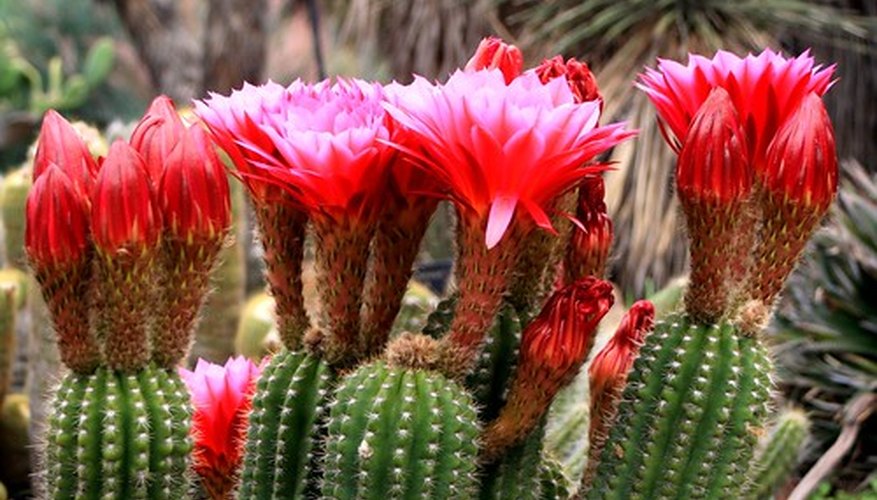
x: 577, y: 74
x: 765, y: 89
x: 194, y: 193
x: 493, y: 53
x: 501, y: 146
x: 222, y: 397
x: 124, y: 213
x: 156, y: 135
x: 56, y: 230
x: 553, y: 348
x: 764, y: 94
x: 59, y: 144
x: 504, y: 153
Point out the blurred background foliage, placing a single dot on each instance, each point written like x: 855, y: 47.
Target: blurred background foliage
x: 102, y: 61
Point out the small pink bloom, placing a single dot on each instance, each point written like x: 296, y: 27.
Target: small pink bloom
x: 493, y: 53
x: 222, y: 397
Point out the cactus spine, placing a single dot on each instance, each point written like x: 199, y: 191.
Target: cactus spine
x: 690, y: 415
x: 119, y: 435
x: 777, y: 456
x: 400, y: 433
x: 282, y: 440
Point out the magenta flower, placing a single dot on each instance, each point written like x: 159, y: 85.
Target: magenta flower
x: 222, y: 397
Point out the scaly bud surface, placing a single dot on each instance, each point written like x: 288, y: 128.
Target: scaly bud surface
x: 60, y: 145
x: 156, y: 134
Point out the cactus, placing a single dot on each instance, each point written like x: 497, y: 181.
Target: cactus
x: 283, y: 436
x: 15, y: 445
x: 777, y: 455
x: 526, y: 473
x: 400, y: 433
x: 7, y: 337
x: 119, y: 436
x: 690, y: 416
x: 256, y: 323
x: 13, y: 194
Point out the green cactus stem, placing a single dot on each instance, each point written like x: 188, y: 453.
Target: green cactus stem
x: 777, y: 455
x: 695, y: 403
x: 525, y: 473
x: 256, y: 323
x: 13, y: 198
x: 7, y: 337
x: 400, y: 433
x: 496, y: 364
x: 114, y: 435
x: 285, y: 428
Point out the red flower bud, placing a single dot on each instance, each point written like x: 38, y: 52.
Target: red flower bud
x: 193, y: 195
x: 714, y: 182
x: 614, y: 361
x: 59, y: 144
x: 553, y: 348
x: 155, y: 136
x: 493, y: 53
x: 56, y: 232
x: 713, y: 163
x: 579, y: 77
x: 556, y: 343
x: 589, y: 245
x: 124, y: 213
x: 802, y: 159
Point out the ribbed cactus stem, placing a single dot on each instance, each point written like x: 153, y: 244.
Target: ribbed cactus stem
x: 124, y: 287
x: 400, y: 433
x: 283, y: 438
x: 482, y: 280
x: 395, y: 246
x: 777, y: 456
x: 342, y: 252
x: 282, y: 233
x: 116, y: 435
x: 688, y: 423
x: 183, y: 278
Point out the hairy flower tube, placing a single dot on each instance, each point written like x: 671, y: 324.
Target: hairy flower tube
x: 222, y: 396
x: 326, y: 149
x: 756, y: 96
x: 503, y: 153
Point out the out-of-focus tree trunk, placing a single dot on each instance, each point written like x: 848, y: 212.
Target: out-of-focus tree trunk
x: 170, y: 50
x: 234, y: 43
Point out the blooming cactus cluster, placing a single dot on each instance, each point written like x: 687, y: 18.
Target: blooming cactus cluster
x: 757, y: 167
x: 102, y: 232
x: 458, y: 410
